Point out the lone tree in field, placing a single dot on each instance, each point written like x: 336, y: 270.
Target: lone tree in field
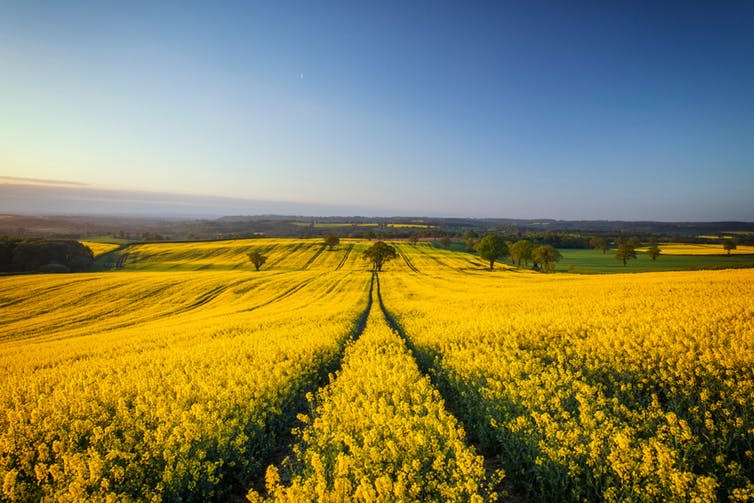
x: 413, y: 239
x: 625, y: 252
x: 598, y: 243
x: 379, y: 253
x: 546, y: 256
x: 257, y: 259
x: 492, y: 247
x: 331, y: 241
x: 521, y: 251
x: 654, y: 249
x: 728, y: 245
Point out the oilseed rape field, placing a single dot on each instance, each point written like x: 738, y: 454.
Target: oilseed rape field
x: 180, y: 373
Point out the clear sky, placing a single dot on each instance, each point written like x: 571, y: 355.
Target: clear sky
x: 526, y: 109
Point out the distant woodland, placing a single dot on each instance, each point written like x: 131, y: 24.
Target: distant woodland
x: 44, y: 255
x: 559, y: 233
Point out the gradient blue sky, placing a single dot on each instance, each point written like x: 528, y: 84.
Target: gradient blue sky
x: 598, y: 110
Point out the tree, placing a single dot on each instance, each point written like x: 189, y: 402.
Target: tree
x: 521, y: 250
x: 413, y: 239
x: 471, y: 240
x: 634, y: 241
x: 492, y: 247
x: 445, y: 241
x: 728, y: 245
x: 331, y: 241
x: 598, y: 243
x: 546, y: 256
x: 26, y: 255
x: 379, y: 253
x: 625, y: 252
x: 654, y: 249
x: 257, y: 259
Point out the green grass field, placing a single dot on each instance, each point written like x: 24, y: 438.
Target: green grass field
x: 594, y: 261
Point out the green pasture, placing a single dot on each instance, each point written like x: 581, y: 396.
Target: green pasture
x: 594, y: 261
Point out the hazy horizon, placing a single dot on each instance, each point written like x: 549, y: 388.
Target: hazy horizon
x: 29, y: 196
x: 591, y: 111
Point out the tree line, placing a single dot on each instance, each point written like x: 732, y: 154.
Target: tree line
x: 44, y: 255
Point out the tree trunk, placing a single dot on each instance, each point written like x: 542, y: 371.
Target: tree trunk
x: 492, y: 264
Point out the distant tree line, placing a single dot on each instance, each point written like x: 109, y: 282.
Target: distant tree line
x: 493, y: 247
x: 44, y: 255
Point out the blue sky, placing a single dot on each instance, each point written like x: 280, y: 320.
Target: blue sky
x: 598, y: 110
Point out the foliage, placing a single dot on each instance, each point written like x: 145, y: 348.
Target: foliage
x: 545, y: 257
x: 520, y: 251
x: 599, y: 243
x: 625, y: 252
x: 492, y: 247
x: 728, y: 245
x: 379, y: 253
x: 257, y: 259
x: 27, y: 255
x: 653, y: 250
x: 331, y: 241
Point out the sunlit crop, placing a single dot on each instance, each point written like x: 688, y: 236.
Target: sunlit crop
x: 700, y: 249
x: 379, y: 432
x: 187, y: 375
x: 99, y: 248
x: 142, y: 386
x: 626, y: 387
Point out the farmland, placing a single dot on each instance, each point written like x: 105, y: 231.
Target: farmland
x: 180, y: 373
x: 693, y: 257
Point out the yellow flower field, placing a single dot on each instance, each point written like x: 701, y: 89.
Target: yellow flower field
x: 159, y: 386
x: 621, y: 387
x: 99, y: 248
x: 186, y: 375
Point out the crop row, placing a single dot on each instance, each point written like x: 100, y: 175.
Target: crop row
x: 189, y: 406
x: 378, y: 432
x: 622, y: 388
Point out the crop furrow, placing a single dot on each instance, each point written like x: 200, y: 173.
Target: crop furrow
x: 314, y: 257
x: 378, y: 432
x: 345, y: 257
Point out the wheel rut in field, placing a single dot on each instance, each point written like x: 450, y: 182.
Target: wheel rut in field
x: 287, y: 419
x: 314, y: 257
x: 408, y: 263
x: 345, y: 257
x: 293, y: 463
x: 292, y: 290
x: 425, y: 365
